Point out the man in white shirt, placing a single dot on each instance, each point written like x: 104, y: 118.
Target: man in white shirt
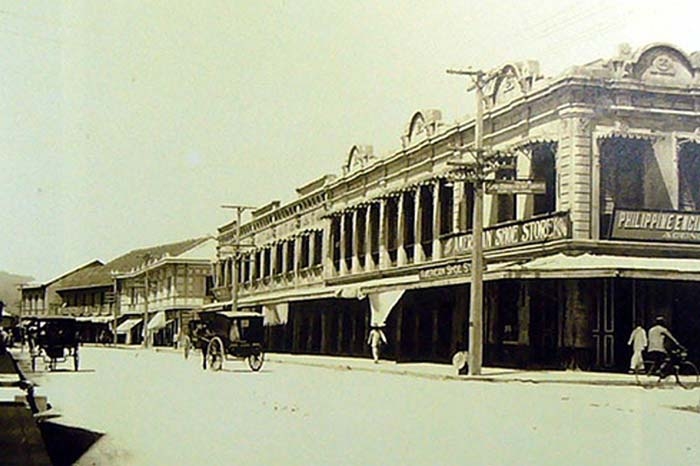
x: 638, y: 342
x: 375, y: 340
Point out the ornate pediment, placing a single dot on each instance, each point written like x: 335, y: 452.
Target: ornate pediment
x: 359, y: 157
x: 514, y: 80
x: 423, y: 124
x: 656, y: 63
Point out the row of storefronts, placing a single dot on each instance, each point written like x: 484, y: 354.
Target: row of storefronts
x: 611, y: 240
x: 611, y: 236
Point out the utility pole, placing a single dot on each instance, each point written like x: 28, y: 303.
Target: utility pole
x: 236, y: 251
x: 146, y: 258
x: 476, y: 171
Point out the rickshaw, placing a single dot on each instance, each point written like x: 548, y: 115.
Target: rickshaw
x: 54, y: 340
x: 237, y: 334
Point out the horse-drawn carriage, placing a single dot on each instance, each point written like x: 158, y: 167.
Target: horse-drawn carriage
x: 225, y: 334
x: 54, y: 340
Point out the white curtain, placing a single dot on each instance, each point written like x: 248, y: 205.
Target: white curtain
x: 381, y: 305
x: 157, y: 322
x: 275, y: 314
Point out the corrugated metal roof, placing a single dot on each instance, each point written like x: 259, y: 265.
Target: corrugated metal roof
x: 102, y: 275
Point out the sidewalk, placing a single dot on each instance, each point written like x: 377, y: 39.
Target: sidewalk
x: 437, y: 371
x: 447, y: 372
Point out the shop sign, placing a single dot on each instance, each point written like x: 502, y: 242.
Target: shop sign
x: 656, y: 225
x: 538, y: 230
x: 517, y: 186
x: 451, y: 270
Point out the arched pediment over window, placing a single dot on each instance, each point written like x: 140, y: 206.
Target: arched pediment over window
x: 359, y: 157
x: 423, y: 124
x: 662, y: 63
x: 513, y: 80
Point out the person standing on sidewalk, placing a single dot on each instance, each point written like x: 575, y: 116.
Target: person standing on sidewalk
x: 638, y: 342
x: 657, y: 343
x: 375, y: 340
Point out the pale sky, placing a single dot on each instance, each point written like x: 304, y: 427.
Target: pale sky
x: 126, y: 124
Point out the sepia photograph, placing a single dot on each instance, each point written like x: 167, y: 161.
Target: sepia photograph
x: 349, y: 232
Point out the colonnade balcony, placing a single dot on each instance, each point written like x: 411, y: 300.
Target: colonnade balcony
x: 410, y: 226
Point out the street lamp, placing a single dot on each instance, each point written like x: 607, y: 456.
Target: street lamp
x: 236, y: 251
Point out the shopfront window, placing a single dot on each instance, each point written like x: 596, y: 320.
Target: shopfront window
x: 544, y: 169
x: 392, y: 216
x: 335, y: 241
x: 505, y: 203
x: 446, y: 207
x: 689, y: 174
x: 630, y: 178
x: 409, y: 224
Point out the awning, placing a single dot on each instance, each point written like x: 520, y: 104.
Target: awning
x: 128, y: 324
x: 95, y: 319
x: 157, y: 321
x: 231, y: 314
x: 291, y: 295
x: 600, y: 266
x: 381, y: 305
x: 360, y: 290
x: 275, y: 314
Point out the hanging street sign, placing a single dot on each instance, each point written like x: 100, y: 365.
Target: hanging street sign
x: 518, y: 186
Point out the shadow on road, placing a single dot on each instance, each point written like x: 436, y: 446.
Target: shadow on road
x: 244, y: 371
x: 65, y: 444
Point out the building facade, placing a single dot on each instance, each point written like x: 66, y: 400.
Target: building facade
x: 162, y: 290
x: 614, y: 238
x: 44, y: 299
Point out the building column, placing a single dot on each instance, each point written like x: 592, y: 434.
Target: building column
x: 355, y: 244
x: 297, y: 256
x: 401, y: 258
x: 253, y: 268
x: 578, y: 326
x: 263, y: 263
x: 384, y: 261
x: 368, y: 238
x: 327, y: 247
x: 343, y: 266
x: 437, y: 249
x: 418, y: 253
x: 312, y: 248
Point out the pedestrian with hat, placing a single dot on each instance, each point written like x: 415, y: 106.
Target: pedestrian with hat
x: 375, y: 340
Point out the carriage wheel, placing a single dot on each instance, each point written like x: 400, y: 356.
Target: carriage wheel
x: 255, y: 361
x: 187, y: 346
x: 215, y: 354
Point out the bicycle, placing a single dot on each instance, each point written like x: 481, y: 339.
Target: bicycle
x: 676, y: 364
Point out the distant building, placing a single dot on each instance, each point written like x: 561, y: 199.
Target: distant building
x: 615, y: 237
x: 43, y: 299
x: 160, y: 288
x: 111, y: 297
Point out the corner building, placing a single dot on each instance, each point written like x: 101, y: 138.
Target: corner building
x: 615, y: 238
